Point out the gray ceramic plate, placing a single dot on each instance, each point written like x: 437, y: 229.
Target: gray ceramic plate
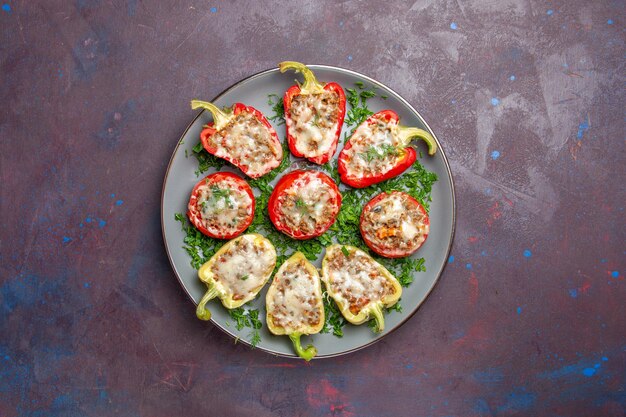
x: 180, y: 179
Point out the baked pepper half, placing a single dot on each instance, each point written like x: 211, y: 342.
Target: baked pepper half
x: 360, y: 286
x: 242, y: 136
x: 237, y: 272
x: 294, y: 303
x: 379, y: 150
x: 314, y: 114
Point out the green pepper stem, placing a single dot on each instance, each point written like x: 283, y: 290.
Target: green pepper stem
x: 201, y: 311
x: 405, y: 134
x: 306, y: 354
x: 377, y: 312
x: 311, y: 85
x: 220, y: 117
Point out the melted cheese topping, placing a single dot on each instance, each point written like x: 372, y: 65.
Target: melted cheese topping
x: 223, y: 206
x: 308, y: 204
x: 248, y: 143
x: 396, y: 223
x: 244, y: 267
x: 313, y: 122
x: 375, y: 149
x: 296, y: 303
x: 357, y: 279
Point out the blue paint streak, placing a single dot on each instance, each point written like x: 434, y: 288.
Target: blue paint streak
x: 66, y: 239
x: 528, y: 253
x: 582, y: 128
x: 519, y: 400
x: 6, y: 8
x: 451, y: 259
x: 102, y: 223
x: 519, y: 310
x: 468, y: 266
x: 489, y: 376
x: 589, y: 372
x: 495, y: 155
x: 213, y: 9
x: 453, y: 26
x: 88, y: 219
x: 119, y: 202
x: 495, y: 101
x: 615, y: 274
x: 86, y: 285
x: 550, y: 12
x: 573, y: 292
x: 609, y: 22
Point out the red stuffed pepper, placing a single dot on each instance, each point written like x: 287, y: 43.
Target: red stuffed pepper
x: 379, y: 149
x: 394, y: 225
x: 314, y: 115
x: 304, y: 204
x: 243, y: 137
x: 221, y: 205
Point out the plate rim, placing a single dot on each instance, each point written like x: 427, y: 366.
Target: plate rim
x: 450, y: 242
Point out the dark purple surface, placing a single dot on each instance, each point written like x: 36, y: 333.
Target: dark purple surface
x: 528, y: 101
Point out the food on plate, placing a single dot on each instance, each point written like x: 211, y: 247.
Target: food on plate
x: 394, y: 224
x: 304, y: 204
x: 360, y: 286
x: 237, y: 272
x: 242, y: 136
x: 294, y: 303
x: 314, y: 115
x: 221, y: 205
x: 379, y: 149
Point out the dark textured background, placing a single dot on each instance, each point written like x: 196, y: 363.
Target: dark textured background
x: 527, y: 98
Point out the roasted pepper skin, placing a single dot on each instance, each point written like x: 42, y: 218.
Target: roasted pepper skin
x: 406, y: 154
x: 217, y: 289
x: 303, y: 329
x: 193, y: 202
x: 221, y: 119
x: 310, y: 87
x: 374, y: 309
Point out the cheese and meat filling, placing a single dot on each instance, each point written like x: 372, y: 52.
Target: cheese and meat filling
x: 357, y: 279
x: 375, y: 149
x: 396, y: 222
x: 308, y: 204
x: 223, y: 206
x: 313, y: 122
x: 244, y: 267
x: 296, y: 300
x: 247, y: 140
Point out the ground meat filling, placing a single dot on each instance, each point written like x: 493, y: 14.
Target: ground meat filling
x: 375, y: 149
x: 223, y: 206
x: 295, y: 302
x: 243, y: 267
x: 396, y: 223
x: 307, y: 205
x: 247, y: 140
x: 358, y: 279
x: 314, y: 122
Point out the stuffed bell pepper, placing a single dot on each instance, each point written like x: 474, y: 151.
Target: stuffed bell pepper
x: 394, y: 225
x: 360, y: 286
x: 237, y: 272
x: 314, y: 115
x: 221, y: 205
x: 379, y: 150
x: 242, y: 136
x: 294, y: 303
x: 304, y: 204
